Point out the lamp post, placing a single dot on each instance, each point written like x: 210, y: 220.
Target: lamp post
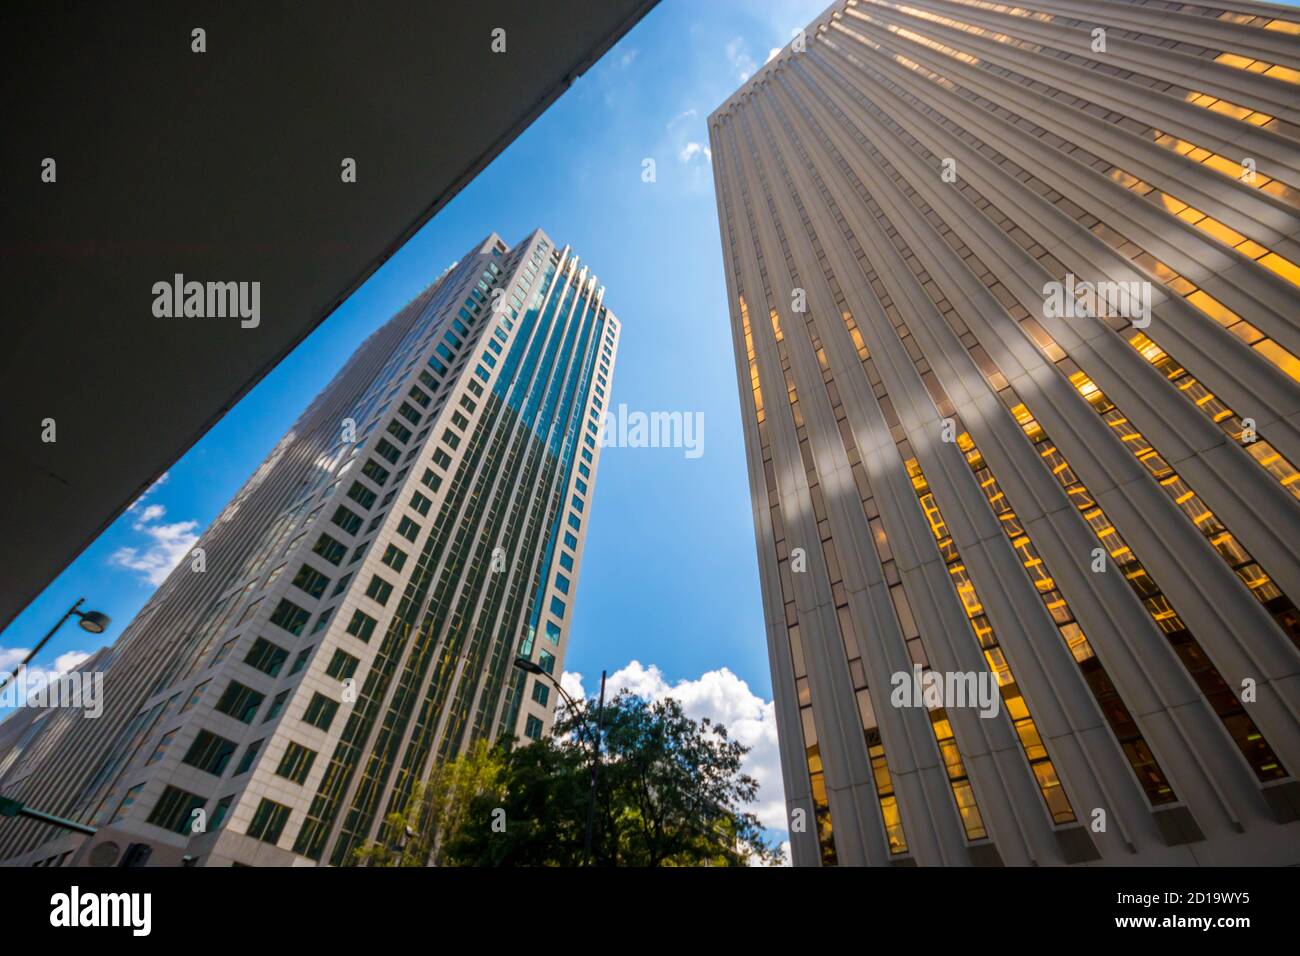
x: 93, y: 621
x: 531, y: 667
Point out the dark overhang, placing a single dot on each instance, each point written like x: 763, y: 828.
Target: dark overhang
x: 220, y: 166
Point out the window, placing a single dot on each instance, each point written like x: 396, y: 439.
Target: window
x: 175, y: 810
x: 224, y: 651
x: 409, y: 413
x: 361, y: 495
x: 266, y: 657
x: 570, y: 541
x: 566, y: 560
x: 561, y: 583
x: 248, y: 612
x: 349, y: 521
x: 321, y: 621
x: 240, y: 702
x: 574, y: 523
x: 329, y: 549
x: 310, y: 580
x: 277, y: 705
x: 379, y: 589
x: 342, y: 666
x: 468, y: 404
x: 271, y: 578
x: 127, y: 800
x: 250, y: 754
x: 408, y: 529
x: 420, y: 503
x: 290, y: 616
x: 430, y: 480
x: 161, y: 748
x: 420, y: 397
x: 210, y: 753
x: 541, y: 693
x: 194, y: 696
x: 220, y: 812
x: 296, y: 763
x: 268, y: 821
x: 388, y: 451
x: 459, y: 420
x: 546, y: 661
x: 362, y: 625
x: 394, y: 557
x: 441, y: 459
x: 451, y: 438
x: 553, y: 632
x: 320, y: 712
x: 375, y: 471
x: 533, y: 728
x: 475, y: 388
x: 399, y: 431
x: 557, y: 607
x: 343, y: 582
x: 300, y: 661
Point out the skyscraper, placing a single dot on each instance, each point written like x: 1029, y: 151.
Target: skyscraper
x: 352, y: 617
x: 1013, y: 291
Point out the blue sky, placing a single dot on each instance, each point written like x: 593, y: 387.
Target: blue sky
x: 669, y: 577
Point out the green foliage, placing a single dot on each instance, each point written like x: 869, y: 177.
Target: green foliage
x: 671, y: 793
x: 437, y: 810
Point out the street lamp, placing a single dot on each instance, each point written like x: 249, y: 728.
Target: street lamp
x: 532, y: 667
x: 96, y: 622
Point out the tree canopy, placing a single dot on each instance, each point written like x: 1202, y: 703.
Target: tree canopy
x: 670, y: 792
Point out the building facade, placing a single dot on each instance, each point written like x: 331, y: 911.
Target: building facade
x: 353, y: 615
x: 1014, y: 296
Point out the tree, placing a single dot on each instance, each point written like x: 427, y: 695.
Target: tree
x: 671, y: 793
x: 436, y: 810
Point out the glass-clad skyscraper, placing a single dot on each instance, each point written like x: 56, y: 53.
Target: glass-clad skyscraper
x: 362, y: 599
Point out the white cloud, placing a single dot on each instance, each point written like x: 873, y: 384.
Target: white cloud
x: 11, y: 657
x: 693, y: 149
x: 684, y: 115
x: 571, y: 683
x: 67, y: 662
x: 166, y: 544
x: 148, y: 491
x: 739, y: 58
x: 725, y: 699
x: 627, y: 58
x: 150, y: 513
x: 772, y: 54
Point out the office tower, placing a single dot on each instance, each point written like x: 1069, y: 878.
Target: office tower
x: 1013, y: 290
x: 365, y: 595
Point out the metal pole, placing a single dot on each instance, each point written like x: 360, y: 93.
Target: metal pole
x: 42, y: 642
x: 595, y: 768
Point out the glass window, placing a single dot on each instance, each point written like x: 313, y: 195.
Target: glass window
x: 269, y: 820
x: 210, y: 753
x: 266, y: 657
x: 175, y: 809
x: 240, y: 702
x: 362, y: 625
